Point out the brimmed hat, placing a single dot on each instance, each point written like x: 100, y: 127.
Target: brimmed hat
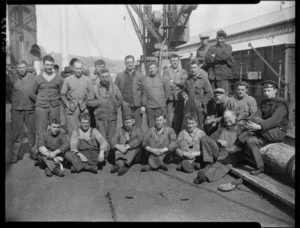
x: 127, y: 116
x: 68, y: 70
x: 203, y: 35
x: 269, y: 84
x: 219, y: 90
x: 222, y: 33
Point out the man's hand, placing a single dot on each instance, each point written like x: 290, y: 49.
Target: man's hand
x: 101, y: 156
x: 223, y: 143
x: 51, y: 155
x: 82, y: 157
x: 143, y: 110
x: 213, y: 55
x: 185, y: 97
x: 189, y: 155
x: 209, y: 121
x: 67, y: 104
x: 251, y: 126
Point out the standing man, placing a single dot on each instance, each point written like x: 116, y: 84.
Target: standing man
x: 219, y: 60
x: 197, y: 93
x: 52, y: 146
x: 160, y: 143
x: 22, y: 111
x: 241, y: 103
x: 88, y: 147
x: 189, y: 145
x: 175, y: 103
x: 202, y: 50
x: 268, y: 125
x: 75, y: 91
x: 155, y: 92
x: 107, y: 100
x: 126, y: 143
x: 45, y: 91
x: 129, y: 83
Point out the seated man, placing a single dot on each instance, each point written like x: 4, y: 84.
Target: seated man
x: 87, y: 146
x: 159, y: 142
x: 268, y: 125
x: 126, y: 143
x: 189, y: 145
x: 215, y: 110
x: 51, y: 146
x: 214, y: 147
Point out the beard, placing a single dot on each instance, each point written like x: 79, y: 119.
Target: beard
x: 105, y: 84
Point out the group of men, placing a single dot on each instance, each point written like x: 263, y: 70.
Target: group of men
x: 189, y: 123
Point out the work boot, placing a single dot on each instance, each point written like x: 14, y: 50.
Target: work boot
x: 48, y: 172
x: 164, y: 167
x: 145, y: 168
x: 91, y: 168
x: 14, y: 159
x: 114, y: 169
x: 122, y: 170
x: 257, y: 171
x: 178, y: 168
x: 187, y: 166
x: 73, y: 170
x: 200, y: 178
x: 33, y: 156
x: 196, y: 165
x: 58, y: 172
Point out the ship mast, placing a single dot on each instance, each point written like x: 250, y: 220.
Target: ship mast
x: 64, y: 36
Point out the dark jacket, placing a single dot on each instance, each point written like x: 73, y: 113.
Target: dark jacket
x: 135, y: 137
x: 219, y: 68
x: 272, y: 113
x: 136, y: 86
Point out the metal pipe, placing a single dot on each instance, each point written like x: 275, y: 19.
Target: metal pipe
x: 265, y: 61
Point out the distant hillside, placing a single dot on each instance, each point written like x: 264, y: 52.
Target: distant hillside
x: 112, y: 65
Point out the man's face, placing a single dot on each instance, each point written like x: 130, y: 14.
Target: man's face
x: 128, y: 124
x: 129, y: 64
x: 229, y: 119
x: 218, y: 97
x: 78, y: 69
x: 152, y: 69
x: 100, y: 68
x: 160, y: 122
x: 85, y: 124
x: 270, y: 92
x: 174, y: 62
x: 220, y: 39
x: 204, y: 40
x: 104, y: 78
x: 22, y: 69
x: 48, y: 65
x: 54, y: 129
x: 191, y: 125
x: 194, y: 69
x: 241, y: 91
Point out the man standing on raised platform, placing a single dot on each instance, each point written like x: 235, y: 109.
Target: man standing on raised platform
x: 268, y: 125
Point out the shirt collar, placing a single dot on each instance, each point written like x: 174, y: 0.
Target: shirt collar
x: 161, y: 131
x: 131, y: 72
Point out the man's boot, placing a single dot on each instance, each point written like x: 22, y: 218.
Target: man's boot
x: 257, y: 171
x: 15, y: 152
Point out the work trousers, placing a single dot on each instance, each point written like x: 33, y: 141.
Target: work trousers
x: 131, y: 157
x: 219, y: 84
x: 151, y: 112
x: 73, y: 120
x: 64, y: 116
x: 48, y: 162
x: 135, y: 111
x: 92, y: 156
x: 209, y: 149
x: 93, y: 119
x: 107, y: 124
x: 254, y: 141
x: 18, y: 118
x: 175, y: 114
x: 44, y: 116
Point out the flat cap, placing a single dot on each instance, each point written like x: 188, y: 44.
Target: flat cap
x: 99, y: 62
x: 127, y: 116
x: 222, y: 33
x: 219, y: 90
x: 203, y: 35
x: 68, y: 69
x: 269, y: 84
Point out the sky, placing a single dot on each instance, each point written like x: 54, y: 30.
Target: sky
x: 112, y: 29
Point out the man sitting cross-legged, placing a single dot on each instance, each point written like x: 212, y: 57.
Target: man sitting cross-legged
x: 126, y: 143
x: 87, y: 145
x: 159, y: 142
x: 51, y: 146
x: 189, y: 145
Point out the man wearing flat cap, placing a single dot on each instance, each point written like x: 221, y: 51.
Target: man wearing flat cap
x: 126, y: 143
x: 202, y: 50
x: 268, y: 125
x: 241, y: 103
x: 215, y: 110
x: 219, y: 60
